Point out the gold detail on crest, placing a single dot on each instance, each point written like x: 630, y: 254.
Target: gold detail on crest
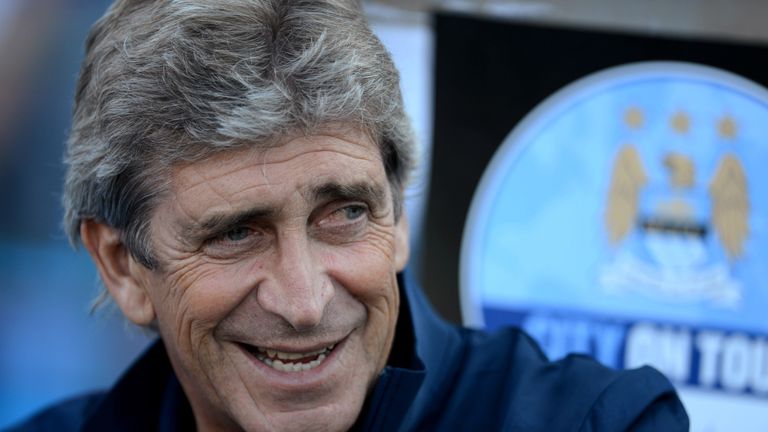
x: 675, y: 209
x: 727, y: 128
x: 680, y: 123
x: 682, y: 171
x: 727, y: 190
x: 730, y: 205
x: 627, y: 179
x: 634, y: 118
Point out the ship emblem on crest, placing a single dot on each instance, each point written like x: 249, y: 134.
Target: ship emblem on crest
x: 677, y: 234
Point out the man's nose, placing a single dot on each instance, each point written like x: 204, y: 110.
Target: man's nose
x: 298, y: 290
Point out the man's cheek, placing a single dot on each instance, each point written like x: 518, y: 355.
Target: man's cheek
x: 375, y: 252
x: 209, y: 288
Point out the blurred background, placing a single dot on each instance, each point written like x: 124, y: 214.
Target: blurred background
x: 54, y: 347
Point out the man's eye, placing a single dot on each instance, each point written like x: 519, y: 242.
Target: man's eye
x: 353, y: 212
x: 237, y: 234
x: 344, y: 219
x: 235, y: 242
x: 234, y: 237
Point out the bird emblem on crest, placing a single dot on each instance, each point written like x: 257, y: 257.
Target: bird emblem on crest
x: 727, y: 191
x: 666, y: 227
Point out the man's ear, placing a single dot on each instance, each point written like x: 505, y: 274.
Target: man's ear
x: 120, y: 273
x: 402, y: 243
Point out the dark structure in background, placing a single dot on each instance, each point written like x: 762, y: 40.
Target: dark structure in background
x: 489, y: 75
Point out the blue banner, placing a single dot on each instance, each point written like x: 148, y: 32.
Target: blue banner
x: 626, y: 217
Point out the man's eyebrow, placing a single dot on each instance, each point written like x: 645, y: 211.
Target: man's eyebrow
x: 218, y: 222
x: 370, y: 193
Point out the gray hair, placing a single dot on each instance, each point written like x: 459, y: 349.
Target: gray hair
x: 171, y: 81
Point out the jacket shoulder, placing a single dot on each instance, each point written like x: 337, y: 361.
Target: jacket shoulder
x: 64, y: 416
x: 507, y: 383
x: 578, y: 393
x: 638, y: 400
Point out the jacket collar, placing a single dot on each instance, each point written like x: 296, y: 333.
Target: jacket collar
x: 439, y: 346
x: 425, y: 358
x: 147, y: 397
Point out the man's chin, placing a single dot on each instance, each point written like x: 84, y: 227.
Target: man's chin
x: 324, y: 418
x: 334, y: 411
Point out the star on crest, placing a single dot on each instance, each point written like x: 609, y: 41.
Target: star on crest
x: 634, y: 118
x: 727, y: 128
x: 680, y: 123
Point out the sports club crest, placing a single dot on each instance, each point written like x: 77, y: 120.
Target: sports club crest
x: 679, y: 234
x: 626, y: 216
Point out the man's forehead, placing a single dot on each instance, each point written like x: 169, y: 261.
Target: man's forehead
x: 348, y: 147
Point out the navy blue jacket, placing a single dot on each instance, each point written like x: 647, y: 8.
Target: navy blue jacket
x: 439, y: 377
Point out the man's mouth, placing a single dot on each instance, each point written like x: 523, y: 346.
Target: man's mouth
x: 290, y: 361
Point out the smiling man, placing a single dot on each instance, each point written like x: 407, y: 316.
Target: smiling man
x: 275, y: 287
x: 236, y: 171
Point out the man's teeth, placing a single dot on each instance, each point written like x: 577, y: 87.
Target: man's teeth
x: 294, y: 367
x: 295, y: 356
x: 285, y: 362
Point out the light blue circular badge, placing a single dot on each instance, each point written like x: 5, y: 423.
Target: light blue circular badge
x: 625, y: 217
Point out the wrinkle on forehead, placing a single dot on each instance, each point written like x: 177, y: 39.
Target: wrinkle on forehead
x: 227, y: 184
x: 190, y: 175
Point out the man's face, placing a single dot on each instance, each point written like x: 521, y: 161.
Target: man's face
x: 276, y: 295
